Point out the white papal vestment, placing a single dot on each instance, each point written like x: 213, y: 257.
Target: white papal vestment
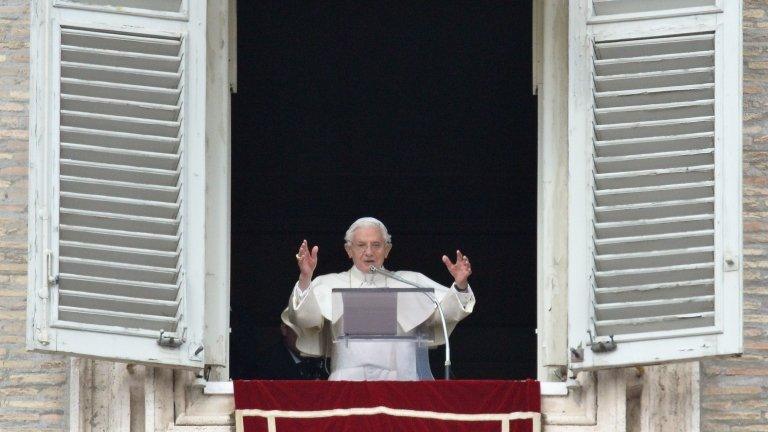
x: 309, y: 314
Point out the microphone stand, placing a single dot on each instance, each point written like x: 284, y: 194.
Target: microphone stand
x: 392, y: 275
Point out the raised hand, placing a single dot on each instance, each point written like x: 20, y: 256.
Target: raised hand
x: 460, y: 270
x: 307, y: 261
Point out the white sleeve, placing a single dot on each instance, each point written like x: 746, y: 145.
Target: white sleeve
x: 303, y: 308
x: 456, y: 306
x: 299, y: 295
x: 304, y: 317
x: 464, y: 296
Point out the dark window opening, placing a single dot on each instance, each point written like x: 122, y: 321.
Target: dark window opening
x: 417, y: 113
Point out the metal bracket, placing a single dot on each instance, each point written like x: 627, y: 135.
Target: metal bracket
x: 561, y: 373
x: 172, y: 340
x: 602, y: 346
x: 195, y: 348
x: 49, y: 279
x: 577, y: 355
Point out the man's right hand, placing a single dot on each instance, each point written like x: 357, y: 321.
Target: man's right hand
x: 307, y: 261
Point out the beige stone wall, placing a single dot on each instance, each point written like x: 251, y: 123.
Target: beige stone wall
x: 32, y: 386
x: 735, y: 391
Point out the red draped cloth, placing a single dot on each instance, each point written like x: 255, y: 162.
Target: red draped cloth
x: 414, y: 406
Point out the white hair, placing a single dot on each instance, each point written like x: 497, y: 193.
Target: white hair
x: 367, y: 222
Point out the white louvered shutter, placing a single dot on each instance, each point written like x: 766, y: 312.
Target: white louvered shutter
x: 655, y: 224
x: 117, y: 172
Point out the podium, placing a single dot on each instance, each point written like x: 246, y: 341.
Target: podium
x: 401, y: 316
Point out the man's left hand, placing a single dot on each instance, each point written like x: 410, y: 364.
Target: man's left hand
x: 460, y: 270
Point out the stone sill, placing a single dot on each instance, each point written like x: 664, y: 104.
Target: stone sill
x: 226, y: 388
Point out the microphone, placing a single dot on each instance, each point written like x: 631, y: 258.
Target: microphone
x: 395, y: 276
x: 392, y: 275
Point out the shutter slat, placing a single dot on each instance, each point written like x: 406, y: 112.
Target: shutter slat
x: 657, y: 291
x: 630, y: 225
x: 644, y: 129
x: 655, y: 258
x: 121, y: 5
x: 652, y: 275
x: 117, y: 287
x: 117, y: 319
x: 655, y: 194
x: 115, y: 270
x: 114, y: 156
x: 653, y: 63
x: 633, y: 228
x: 118, y: 222
x: 119, y: 205
x: 654, y: 46
x: 119, y: 91
x: 655, y: 112
x: 167, y: 194
x: 119, y: 140
x: 126, y: 173
x: 655, y: 324
x: 120, y: 75
x: 654, y: 177
x: 87, y: 300
x: 615, y: 7
x: 120, y: 108
x: 123, y: 42
x: 654, y: 96
x: 655, y: 275
x: 654, y: 210
x: 658, y: 187
x: 120, y: 124
x: 119, y: 238
x: 650, y: 161
x: 649, y: 80
x: 106, y: 57
x: 644, y: 243
x: 655, y: 144
x: 145, y: 257
x: 640, y: 309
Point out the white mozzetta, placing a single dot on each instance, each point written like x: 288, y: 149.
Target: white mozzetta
x: 655, y: 155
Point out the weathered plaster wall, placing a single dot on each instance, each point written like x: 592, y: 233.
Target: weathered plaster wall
x: 33, y: 391
x: 735, y: 391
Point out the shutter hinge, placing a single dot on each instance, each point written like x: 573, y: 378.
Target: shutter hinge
x: 170, y: 339
x: 48, y: 279
x: 577, y: 354
x: 43, y: 291
x: 602, y: 346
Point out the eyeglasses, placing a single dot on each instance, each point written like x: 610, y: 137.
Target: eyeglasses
x: 374, y: 246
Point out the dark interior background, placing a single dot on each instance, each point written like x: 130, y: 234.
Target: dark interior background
x: 417, y: 113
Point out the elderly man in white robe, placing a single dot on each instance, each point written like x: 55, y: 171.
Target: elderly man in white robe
x: 367, y: 244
